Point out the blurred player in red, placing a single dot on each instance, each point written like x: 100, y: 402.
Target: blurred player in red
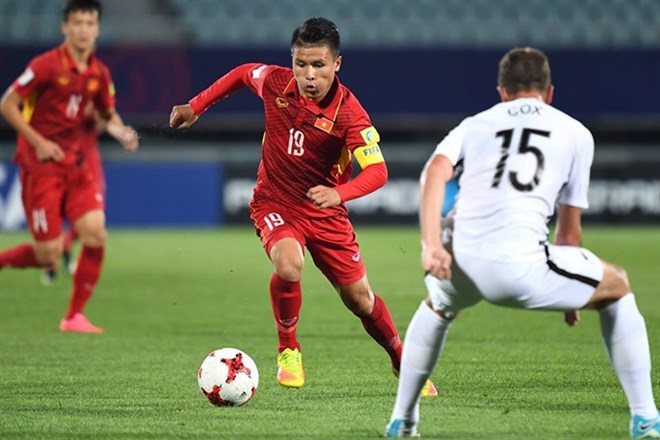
x: 94, y: 125
x: 314, y: 127
x: 46, y: 107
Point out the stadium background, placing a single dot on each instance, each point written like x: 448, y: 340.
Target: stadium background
x: 417, y: 66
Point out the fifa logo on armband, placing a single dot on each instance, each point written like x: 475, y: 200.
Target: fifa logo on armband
x: 370, y: 136
x: 371, y: 151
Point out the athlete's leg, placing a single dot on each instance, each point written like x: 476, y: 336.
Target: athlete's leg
x: 285, y: 293
x: 625, y: 337
x: 374, y: 315
x: 286, y: 299
x: 422, y: 346
x: 41, y: 197
x: 91, y: 228
x: 425, y: 339
x: 573, y: 278
x: 38, y: 254
x: 70, y: 237
x: 49, y: 275
x: 283, y: 243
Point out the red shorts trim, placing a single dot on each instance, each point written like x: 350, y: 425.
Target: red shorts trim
x: 48, y: 198
x: 331, y: 241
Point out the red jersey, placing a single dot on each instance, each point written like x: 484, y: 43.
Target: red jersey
x: 54, y: 96
x: 89, y: 132
x: 305, y: 144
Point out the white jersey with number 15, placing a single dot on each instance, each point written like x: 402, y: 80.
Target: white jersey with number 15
x: 519, y: 158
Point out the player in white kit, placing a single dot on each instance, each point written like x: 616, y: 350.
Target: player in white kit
x: 519, y: 159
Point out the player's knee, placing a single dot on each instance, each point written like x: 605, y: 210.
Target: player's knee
x: 48, y: 254
x: 94, y: 238
x: 612, y: 287
x: 623, y: 277
x: 618, y: 280
x: 289, y: 269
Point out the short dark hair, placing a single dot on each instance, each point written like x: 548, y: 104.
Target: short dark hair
x: 81, y: 5
x: 524, y: 69
x: 317, y: 31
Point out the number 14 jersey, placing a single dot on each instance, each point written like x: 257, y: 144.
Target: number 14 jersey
x: 55, y: 95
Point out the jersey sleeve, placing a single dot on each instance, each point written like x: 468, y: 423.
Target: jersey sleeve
x: 105, y: 99
x: 575, y: 191
x: 367, y: 181
x: 33, y: 78
x: 251, y: 75
x: 452, y: 145
x: 361, y: 140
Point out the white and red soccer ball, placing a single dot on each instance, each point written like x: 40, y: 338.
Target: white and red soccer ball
x: 228, y: 377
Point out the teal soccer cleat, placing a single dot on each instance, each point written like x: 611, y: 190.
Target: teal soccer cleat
x: 401, y: 428
x: 641, y: 427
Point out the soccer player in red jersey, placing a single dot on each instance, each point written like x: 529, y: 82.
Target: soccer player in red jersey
x: 93, y: 126
x: 45, y: 106
x: 314, y: 126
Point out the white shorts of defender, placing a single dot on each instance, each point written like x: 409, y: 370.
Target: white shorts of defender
x: 557, y: 278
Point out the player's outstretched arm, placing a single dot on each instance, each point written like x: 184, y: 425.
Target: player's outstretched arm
x: 250, y: 74
x: 435, y: 258
x: 182, y: 116
x: 124, y: 134
x: 10, y: 107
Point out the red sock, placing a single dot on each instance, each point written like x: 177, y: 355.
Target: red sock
x: 286, y: 300
x: 20, y: 257
x: 85, y: 278
x: 381, y: 328
x: 69, y: 238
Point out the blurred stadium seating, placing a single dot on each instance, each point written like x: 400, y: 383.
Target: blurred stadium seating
x: 364, y: 23
x: 418, y: 67
x: 558, y: 23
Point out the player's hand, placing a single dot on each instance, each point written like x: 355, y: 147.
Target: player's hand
x: 124, y: 134
x: 128, y: 138
x: 323, y: 196
x: 182, y: 116
x: 437, y: 261
x: 48, y: 150
x: 572, y: 318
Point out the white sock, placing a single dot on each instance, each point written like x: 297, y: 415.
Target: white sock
x: 421, y: 348
x: 627, y: 344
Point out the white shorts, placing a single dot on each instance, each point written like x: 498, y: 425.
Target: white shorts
x: 560, y: 278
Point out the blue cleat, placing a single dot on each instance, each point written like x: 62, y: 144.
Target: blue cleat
x: 401, y: 428
x: 641, y: 427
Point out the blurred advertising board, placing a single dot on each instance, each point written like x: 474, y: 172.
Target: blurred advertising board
x: 164, y: 194
x: 139, y: 194
x: 617, y: 194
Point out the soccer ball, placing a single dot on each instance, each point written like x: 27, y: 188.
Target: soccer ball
x: 228, y: 377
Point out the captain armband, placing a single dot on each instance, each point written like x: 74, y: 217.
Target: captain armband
x: 370, y: 153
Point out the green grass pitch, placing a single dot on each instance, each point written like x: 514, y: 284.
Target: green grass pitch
x: 168, y: 298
